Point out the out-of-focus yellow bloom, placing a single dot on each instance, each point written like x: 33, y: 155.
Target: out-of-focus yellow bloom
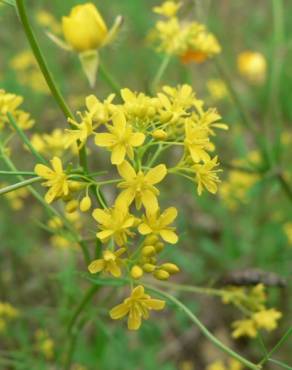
x: 110, y: 262
x: 114, y: 222
x: 82, y: 131
x: 84, y: 29
x: 219, y: 365
x: 137, y: 307
x: 120, y: 140
x: 168, y: 8
x: 267, y: 319
x: 288, y: 231
x: 252, y: 66
x: 44, y: 344
x: 7, y: 313
x: 47, y: 20
x: 206, y: 176
x: 157, y: 224
x: 56, y: 179
x: 244, y: 328
x: 139, y: 186
x: 100, y: 112
x: 217, y: 89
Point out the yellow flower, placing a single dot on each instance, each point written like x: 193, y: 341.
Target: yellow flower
x: 46, y: 19
x: 110, y: 262
x: 267, y: 319
x: 252, y: 66
x: 245, y: 327
x: 139, y: 186
x: 287, y: 227
x: 217, y: 89
x: 81, y: 132
x: 137, y: 307
x: 45, y: 344
x: 100, y: 112
x: 206, y: 176
x: 84, y: 29
x: 197, y: 142
x: 56, y: 179
x: 9, y: 102
x: 114, y: 222
x: 157, y: 224
x: 168, y: 8
x: 120, y: 140
x: 217, y: 365
x: 8, y: 311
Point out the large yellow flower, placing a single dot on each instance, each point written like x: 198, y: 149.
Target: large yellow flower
x: 206, y: 176
x: 110, y: 262
x: 84, y: 29
x: 139, y: 186
x: 56, y: 178
x: 114, y: 222
x: 120, y: 140
x: 157, y: 224
x: 137, y: 307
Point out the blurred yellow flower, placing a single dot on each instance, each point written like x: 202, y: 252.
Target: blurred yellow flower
x: 168, y: 8
x: 137, y: 307
x: 120, y: 140
x: 245, y: 327
x: 139, y: 186
x: 114, y: 222
x: 158, y: 224
x: 110, y: 262
x: 217, y: 89
x: 267, y: 319
x: 46, y: 19
x: 56, y: 178
x: 44, y: 344
x: 252, y: 66
x: 288, y: 231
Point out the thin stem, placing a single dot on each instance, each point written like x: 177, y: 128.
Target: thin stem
x: 161, y: 70
x: 47, y: 74
x: 15, y: 173
x: 19, y: 185
x: 107, y: 77
x: 25, y: 139
x: 204, y: 330
x: 285, y: 186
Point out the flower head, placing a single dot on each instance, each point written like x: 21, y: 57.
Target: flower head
x: 245, y: 327
x: 157, y: 224
x: 206, y: 176
x: 138, y: 186
x: 120, y: 140
x: 168, y: 8
x: 267, y: 319
x: 197, y: 142
x: 252, y: 66
x: 110, y: 262
x: 137, y: 307
x: 114, y: 222
x: 56, y: 178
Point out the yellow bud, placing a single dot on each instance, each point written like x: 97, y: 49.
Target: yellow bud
x: 148, y: 267
x: 161, y: 274
x: 151, y: 240
x: 84, y: 29
x: 252, y: 66
x: 148, y: 251
x: 55, y: 223
x: 76, y: 186
x: 170, y: 267
x: 85, y: 204
x: 71, y: 206
x: 159, y: 135
x: 136, y: 272
x: 159, y: 247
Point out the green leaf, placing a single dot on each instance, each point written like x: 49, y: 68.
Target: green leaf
x: 9, y: 2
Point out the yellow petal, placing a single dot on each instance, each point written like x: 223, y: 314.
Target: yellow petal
x: 125, y: 198
x: 104, y: 140
x: 126, y: 171
x: 134, y: 320
x: 119, y: 121
x: 169, y: 236
x: 144, y: 229
x: 101, y: 216
x: 155, y: 304
x: 149, y: 200
x: 137, y: 139
x: 114, y: 269
x: 118, y: 154
x: 119, y: 311
x: 57, y: 164
x: 43, y: 171
x: 168, y: 216
x: 103, y: 235
x: 156, y: 174
x: 96, y: 266
x: 50, y: 195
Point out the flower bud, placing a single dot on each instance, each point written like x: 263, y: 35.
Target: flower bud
x: 136, y: 272
x: 252, y: 66
x: 71, y: 206
x: 161, y: 274
x: 84, y: 29
x: 151, y: 240
x: 85, y: 204
x: 148, y: 251
x: 76, y: 186
x: 170, y: 268
x: 159, y: 247
x: 148, y: 267
x: 159, y: 135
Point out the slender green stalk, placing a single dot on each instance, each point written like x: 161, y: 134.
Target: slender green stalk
x: 47, y: 74
x: 204, y: 330
x: 19, y: 185
x: 16, y: 173
x: 107, y: 77
x: 280, y: 364
x: 160, y: 72
x: 25, y: 139
x: 285, y: 186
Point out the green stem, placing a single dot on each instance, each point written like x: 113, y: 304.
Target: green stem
x: 15, y: 173
x: 161, y: 70
x: 47, y: 74
x: 106, y: 76
x: 19, y: 185
x: 285, y: 186
x: 204, y: 330
x: 25, y: 139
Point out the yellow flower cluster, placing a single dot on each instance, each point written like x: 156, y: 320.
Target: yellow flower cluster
x: 252, y: 302
x: 288, y: 231
x: 9, y: 103
x: 7, y: 313
x: 190, y: 41
x: 134, y: 229
x: 231, y: 364
x: 44, y: 344
x: 28, y: 73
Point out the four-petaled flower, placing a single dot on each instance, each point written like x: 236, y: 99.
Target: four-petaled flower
x: 157, y: 224
x: 114, y: 222
x: 56, y: 178
x: 139, y: 186
x: 137, y: 307
x: 120, y: 140
x: 206, y: 176
x: 110, y: 262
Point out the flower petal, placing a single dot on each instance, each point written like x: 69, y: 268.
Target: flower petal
x: 118, y: 154
x: 144, y: 229
x: 149, y: 200
x: 156, y: 174
x: 168, y: 216
x: 169, y: 236
x: 96, y: 266
x: 126, y: 171
x: 119, y: 311
x: 155, y: 304
x: 104, y: 139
